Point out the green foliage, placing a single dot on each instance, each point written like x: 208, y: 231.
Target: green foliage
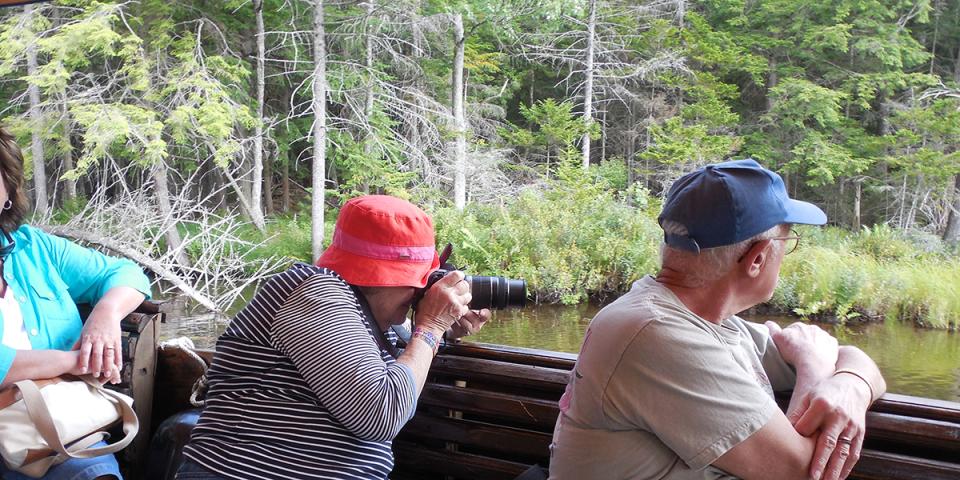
x: 573, y: 240
x: 554, y: 130
x: 678, y: 142
x: 880, y: 272
x: 372, y: 163
x: 124, y: 131
x: 74, y: 45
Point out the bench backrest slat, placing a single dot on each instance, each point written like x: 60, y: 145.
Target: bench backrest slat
x: 493, y: 408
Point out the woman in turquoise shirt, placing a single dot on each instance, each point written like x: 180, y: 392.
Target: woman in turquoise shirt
x: 42, y: 278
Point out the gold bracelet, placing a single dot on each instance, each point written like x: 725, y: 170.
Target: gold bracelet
x: 861, y: 377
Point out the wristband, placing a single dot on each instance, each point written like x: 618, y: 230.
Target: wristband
x: 861, y: 377
x: 427, y: 337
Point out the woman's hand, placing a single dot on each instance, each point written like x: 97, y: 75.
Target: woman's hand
x: 99, y: 347
x: 469, y: 324
x: 444, y: 303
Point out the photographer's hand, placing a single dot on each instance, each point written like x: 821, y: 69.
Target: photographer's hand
x: 469, y: 324
x: 444, y: 303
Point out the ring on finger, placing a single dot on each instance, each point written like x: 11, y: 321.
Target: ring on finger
x: 845, y: 440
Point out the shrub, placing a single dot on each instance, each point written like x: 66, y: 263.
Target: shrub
x: 572, y: 240
x: 838, y: 275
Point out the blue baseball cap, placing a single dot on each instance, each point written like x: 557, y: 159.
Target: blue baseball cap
x: 726, y: 203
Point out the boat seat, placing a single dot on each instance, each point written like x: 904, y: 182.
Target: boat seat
x: 488, y: 412
x: 140, y: 331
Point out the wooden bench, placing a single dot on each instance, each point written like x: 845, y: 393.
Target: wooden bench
x: 140, y: 331
x: 488, y: 412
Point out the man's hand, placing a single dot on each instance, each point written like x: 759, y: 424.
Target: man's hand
x: 809, y: 349
x: 836, y: 407
x: 469, y: 324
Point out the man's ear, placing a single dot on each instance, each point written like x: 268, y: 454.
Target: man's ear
x: 755, y: 258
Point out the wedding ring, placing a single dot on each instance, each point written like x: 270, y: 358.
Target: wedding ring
x: 844, y: 440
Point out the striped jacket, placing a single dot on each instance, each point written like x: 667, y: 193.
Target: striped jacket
x: 299, y: 387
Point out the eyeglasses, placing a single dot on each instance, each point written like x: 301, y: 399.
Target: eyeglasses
x: 793, y: 241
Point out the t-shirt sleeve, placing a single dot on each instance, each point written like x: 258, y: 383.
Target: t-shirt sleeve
x: 683, y: 385
x: 320, y: 329
x: 781, y: 375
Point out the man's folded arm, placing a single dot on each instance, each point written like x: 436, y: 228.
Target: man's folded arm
x: 776, y: 451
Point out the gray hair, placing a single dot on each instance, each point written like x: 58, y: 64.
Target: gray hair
x: 711, y: 263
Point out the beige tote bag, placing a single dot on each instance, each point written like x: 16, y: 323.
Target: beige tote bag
x: 56, y: 419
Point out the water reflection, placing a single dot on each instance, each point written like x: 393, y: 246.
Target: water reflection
x: 918, y: 362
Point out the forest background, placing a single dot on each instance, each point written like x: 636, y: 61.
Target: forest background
x: 213, y: 141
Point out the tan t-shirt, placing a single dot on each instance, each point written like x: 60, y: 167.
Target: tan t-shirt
x: 660, y: 393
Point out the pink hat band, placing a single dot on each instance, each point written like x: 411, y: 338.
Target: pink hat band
x: 379, y: 251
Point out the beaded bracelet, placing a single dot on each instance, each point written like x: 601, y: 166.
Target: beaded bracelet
x: 428, y: 337
x: 861, y: 377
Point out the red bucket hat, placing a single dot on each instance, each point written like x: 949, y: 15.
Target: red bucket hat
x: 382, y: 241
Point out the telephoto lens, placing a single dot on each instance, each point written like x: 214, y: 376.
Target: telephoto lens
x: 496, y: 292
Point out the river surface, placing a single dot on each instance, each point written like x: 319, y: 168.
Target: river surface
x: 914, y: 361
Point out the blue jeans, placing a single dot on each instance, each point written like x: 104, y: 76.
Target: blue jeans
x: 191, y: 470
x: 73, y: 469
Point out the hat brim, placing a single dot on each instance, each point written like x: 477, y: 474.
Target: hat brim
x: 370, y: 272
x: 804, y: 213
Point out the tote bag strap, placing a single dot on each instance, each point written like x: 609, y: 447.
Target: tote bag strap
x: 40, y: 415
x: 39, y: 468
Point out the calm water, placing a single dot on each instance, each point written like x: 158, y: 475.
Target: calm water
x: 917, y: 362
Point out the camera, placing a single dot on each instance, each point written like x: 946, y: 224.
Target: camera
x: 486, y: 292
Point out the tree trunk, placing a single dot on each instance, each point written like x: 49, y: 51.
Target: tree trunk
x: 285, y: 184
x: 603, y: 136
x: 646, y: 146
x: 159, y: 174
x: 772, y: 80
x: 369, y: 137
x: 956, y: 67
x: 36, y: 144
x: 459, y: 117
x: 588, y: 82
x: 630, y: 149
x: 903, y: 204
x: 951, y: 234
x: 219, y: 184
x: 319, y: 104
x: 533, y: 79
x: 914, y: 203
x: 70, y: 186
x: 256, y: 192
x: 857, y: 193
x: 268, y: 184
x: 936, y: 32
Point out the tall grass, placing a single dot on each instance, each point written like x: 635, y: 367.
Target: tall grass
x: 876, y: 273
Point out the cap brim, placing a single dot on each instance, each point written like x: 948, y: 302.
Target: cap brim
x: 368, y: 272
x: 804, y: 213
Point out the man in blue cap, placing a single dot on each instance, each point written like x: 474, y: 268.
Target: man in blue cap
x: 671, y: 384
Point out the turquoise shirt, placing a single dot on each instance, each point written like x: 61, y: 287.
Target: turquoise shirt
x: 50, y: 276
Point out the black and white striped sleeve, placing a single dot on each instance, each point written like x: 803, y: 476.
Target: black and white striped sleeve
x: 321, y: 330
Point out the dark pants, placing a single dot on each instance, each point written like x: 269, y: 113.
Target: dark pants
x: 191, y: 470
